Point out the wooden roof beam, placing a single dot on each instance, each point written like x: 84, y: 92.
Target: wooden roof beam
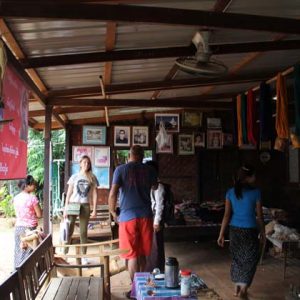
x: 160, y: 15
x: 179, y: 102
x: 110, y: 56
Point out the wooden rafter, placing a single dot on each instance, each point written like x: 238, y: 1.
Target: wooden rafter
x: 30, y: 76
x: 160, y: 15
x: 110, y: 56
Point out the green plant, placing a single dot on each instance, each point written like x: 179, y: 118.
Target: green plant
x: 6, y: 205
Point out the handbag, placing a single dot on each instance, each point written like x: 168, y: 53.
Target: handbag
x: 73, y: 209
x: 64, y: 230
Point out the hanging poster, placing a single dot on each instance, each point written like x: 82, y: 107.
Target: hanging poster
x: 14, y: 127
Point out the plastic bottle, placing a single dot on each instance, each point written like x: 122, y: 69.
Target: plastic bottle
x: 185, y: 286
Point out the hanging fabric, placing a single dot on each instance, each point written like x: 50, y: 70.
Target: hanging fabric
x: 251, y: 118
x: 295, y: 138
x: 244, y: 118
x: 265, y: 112
x: 282, y: 124
x: 239, y: 120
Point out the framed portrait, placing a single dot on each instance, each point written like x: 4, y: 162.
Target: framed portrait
x: 79, y: 151
x: 93, y: 135
x: 227, y: 139
x: 192, y: 119
x: 167, y: 148
x: 140, y: 136
x: 186, y: 144
x: 214, y: 139
x: 102, y: 156
x: 214, y: 123
x: 122, y: 136
x: 170, y: 121
x: 199, y: 139
x: 102, y: 175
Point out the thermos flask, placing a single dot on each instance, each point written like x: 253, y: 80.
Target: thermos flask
x: 171, y: 273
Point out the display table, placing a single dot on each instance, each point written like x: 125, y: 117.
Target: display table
x: 140, y: 290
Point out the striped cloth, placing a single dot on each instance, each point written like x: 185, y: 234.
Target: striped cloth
x: 140, y: 290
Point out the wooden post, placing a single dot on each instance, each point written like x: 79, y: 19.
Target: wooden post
x: 67, y: 158
x: 47, y: 177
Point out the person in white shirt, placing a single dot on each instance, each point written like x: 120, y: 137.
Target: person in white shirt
x: 157, y: 256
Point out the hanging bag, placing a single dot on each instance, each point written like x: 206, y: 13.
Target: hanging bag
x: 73, y: 209
x: 162, y: 136
x: 64, y: 228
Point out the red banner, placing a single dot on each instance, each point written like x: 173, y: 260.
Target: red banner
x: 13, y: 134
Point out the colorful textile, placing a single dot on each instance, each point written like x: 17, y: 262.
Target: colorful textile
x: 297, y: 98
x: 244, y: 118
x: 251, y: 118
x: 140, y: 289
x: 136, y: 236
x: 239, y: 120
x: 20, y: 254
x: 265, y: 112
x: 282, y: 124
x: 135, y: 180
x: 244, y: 248
x: 24, y: 204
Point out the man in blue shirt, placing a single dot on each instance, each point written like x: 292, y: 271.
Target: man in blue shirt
x: 134, y: 182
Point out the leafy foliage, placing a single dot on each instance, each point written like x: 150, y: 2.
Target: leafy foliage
x: 35, y: 156
x: 6, y: 205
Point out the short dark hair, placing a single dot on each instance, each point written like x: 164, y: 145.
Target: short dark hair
x: 29, y: 180
x: 137, y: 151
x: 122, y: 130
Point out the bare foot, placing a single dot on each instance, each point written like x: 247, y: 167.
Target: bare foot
x: 236, y: 290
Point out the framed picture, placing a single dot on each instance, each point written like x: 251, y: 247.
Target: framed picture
x: 186, y: 144
x: 102, y: 175
x: 214, y: 139
x: 199, y: 139
x: 214, y: 123
x: 122, y: 136
x: 93, y: 135
x: 168, y: 148
x: 79, y: 151
x: 140, y: 136
x: 192, y: 119
x: 102, y: 156
x: 227, y: 139
x: 171, y: 122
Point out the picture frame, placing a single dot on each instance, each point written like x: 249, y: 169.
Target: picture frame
x: 186, y: 144
x: 93, y: 135
x: 121, y: 136
x: 192, y: 119
x: 140, y: 136
x: 102, y: 156
x: 214, y: 139
x: 170, y: 121
x: 102, y: 175
x: 167, y: 148
x: 79, y: 151
x: 199, y: 139
x: 227, y: 139
x: 214, y: 123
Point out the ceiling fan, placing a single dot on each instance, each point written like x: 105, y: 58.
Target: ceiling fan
x: 202, y: 62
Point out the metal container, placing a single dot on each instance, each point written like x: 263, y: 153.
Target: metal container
x: 171, y: 273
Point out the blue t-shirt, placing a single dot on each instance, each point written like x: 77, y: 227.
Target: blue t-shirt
x: 244, y: 208
x: 135, y: 180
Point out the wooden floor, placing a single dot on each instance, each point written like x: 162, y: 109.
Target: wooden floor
x: 213, y: 265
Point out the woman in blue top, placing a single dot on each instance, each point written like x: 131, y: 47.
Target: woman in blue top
x: 243, y: 211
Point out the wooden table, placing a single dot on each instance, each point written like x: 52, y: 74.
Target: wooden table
x: 80, y: 288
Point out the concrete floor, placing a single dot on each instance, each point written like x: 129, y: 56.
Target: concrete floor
x: 213, y: 264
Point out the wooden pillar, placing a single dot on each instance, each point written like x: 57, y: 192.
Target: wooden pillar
x: 47, y: 168
x: 67, y: 158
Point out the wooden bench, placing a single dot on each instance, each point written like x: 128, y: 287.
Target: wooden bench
x: 39, y: 269
x: 100, y: 250
x: 10, y: 289
x: 99, y: 227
